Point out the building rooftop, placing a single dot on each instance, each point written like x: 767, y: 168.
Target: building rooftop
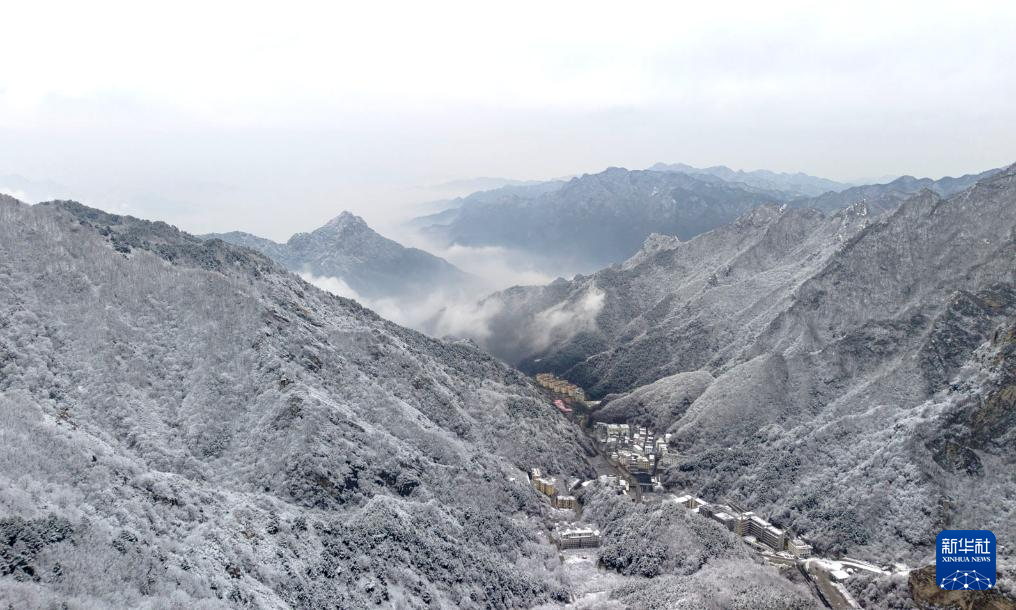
x: 579, y: 531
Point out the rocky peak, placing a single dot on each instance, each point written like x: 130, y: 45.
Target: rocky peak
x: 654, y: 244
x: 347, y: 221
x: 369, y: 263
x: 346, y: 231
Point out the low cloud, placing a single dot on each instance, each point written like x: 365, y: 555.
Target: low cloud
x: 563, y: 321
x: 497, y: 266
x: 467, y: 319
x: 441, y: 313
x: 334, y: 285
x: 483, y: 319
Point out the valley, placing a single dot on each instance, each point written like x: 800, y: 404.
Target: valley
x: 824, y: 576
x: 507, y: 306
x: 325, y: 453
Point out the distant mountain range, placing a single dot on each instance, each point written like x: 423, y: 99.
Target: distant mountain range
x: 882, y: 198
x: 497, y: 196
x: 346, y: 248
x: 186, y: 423
x: 813, y: 365
x: 796, y: 184
x: 595, y: 220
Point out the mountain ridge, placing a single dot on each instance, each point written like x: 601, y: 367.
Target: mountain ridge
x: 186, y: 422
x: 597, y: 219
x: 373, y: 266
x: 805, y: 332
x: 796, y: 183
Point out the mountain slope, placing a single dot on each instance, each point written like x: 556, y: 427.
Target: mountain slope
x: 186, y: 424
x: 834, y: 343
x: 598, y: 219
x: 346, y: 248
x: 676, y: 306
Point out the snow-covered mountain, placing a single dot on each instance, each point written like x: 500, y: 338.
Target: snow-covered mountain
x: 811, y: 365
x: 596, y: 219
x: 588, y: 222
x: 373, y: 266
x: 186, y: 424
x: 883, y: 198
x: 798, y: 183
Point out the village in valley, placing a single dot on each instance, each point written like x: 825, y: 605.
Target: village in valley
x: 632, y: 458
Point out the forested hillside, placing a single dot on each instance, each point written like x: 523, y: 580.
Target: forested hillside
x: 811, y: 365
x: 186, y: 424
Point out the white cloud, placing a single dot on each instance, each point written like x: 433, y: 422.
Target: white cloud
x: 465, y: 318
x: 334, y: 285
x: 499, y: 267
x: 563, y: 321
x: 441, y: 313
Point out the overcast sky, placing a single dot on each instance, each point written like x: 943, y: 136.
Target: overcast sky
x: 274, y: 117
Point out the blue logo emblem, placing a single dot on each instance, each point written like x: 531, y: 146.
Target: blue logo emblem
x: 965, y: 559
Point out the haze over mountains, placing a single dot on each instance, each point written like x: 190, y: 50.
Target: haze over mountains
x: 882, y: 198
x: 187, y: 424
x: 507, y: 306
x: 595, y: 220
x: 799, y: 183
x: 809, y: 362
x: 346, y: 248
x: 201, y: 427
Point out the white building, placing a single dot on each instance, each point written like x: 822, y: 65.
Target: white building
x: 577, y: 538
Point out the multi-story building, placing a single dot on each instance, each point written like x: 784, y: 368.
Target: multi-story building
x: 607, y: 433
x: 747, y: 524
x: 545, y: 484
x: 560, y: 386
x: 726, y: 519
x: 764, y: 532
x: 577, y: 538
x: 798, y: 547
x: 562, y: 501
x: 740, y: 524
x: 773, y: 537
x: 725, y: 515
x: 692, y: 502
